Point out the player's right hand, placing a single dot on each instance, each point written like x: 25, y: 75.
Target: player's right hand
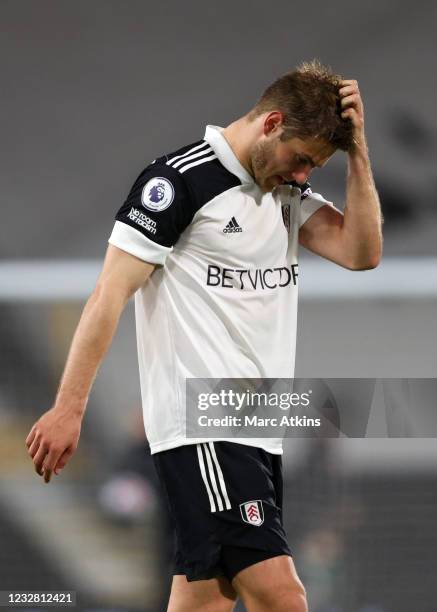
x: 52, y: 441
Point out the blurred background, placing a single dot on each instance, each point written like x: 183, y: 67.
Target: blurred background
x: 91, y: 93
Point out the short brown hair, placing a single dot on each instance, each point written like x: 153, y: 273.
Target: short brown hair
x: 309, y: 99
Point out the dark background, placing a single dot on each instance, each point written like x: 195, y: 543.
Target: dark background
x: 93, y: 91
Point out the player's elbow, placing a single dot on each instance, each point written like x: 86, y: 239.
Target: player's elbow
x: 374, y: 262
x: 368, y: 263
x: 365, y: 257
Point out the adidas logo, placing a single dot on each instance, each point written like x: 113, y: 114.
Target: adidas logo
x: 232, y: 227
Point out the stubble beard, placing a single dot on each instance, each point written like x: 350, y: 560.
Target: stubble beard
x: 261, y: 153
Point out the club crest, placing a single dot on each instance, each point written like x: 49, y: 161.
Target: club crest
x: 252, y: 512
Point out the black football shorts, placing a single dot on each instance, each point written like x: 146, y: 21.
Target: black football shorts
x: 225, y: 501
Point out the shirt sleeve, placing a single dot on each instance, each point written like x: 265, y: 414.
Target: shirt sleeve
x: 155, y: 213
x: 310, y: 203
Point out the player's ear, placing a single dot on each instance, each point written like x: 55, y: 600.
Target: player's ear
x: 273, y: 122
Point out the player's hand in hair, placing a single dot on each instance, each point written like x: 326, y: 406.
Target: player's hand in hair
x: 352, y: 107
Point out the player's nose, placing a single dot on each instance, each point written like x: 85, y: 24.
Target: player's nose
x: 301, y: 176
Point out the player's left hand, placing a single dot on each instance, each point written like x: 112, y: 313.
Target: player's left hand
x: 352, y: 106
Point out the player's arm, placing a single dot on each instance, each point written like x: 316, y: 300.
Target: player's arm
x: 352, y: 239
x: 54, y: 437
x: 156, y: 211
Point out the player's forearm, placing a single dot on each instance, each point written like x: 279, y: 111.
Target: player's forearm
x: 91, y: 340
x: 362, y: 233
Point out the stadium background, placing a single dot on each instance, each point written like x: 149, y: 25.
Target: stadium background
x: 91, y: 92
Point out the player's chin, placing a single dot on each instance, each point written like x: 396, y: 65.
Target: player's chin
x: 273, y: 181
x: 268, y: 183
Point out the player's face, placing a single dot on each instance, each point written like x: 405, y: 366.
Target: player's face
x: 275, y: 162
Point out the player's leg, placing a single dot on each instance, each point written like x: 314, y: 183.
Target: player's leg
x: 256, y: 557
x: 271, y: 586
x: 215, y: 595
x: 193, y: 507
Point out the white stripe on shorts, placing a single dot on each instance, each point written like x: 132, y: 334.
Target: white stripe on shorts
x: 220, y: 476
x: 205, y: 479
x: 212, y: 477
x: 216, y: 490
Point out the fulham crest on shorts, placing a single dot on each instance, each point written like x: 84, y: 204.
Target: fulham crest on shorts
x: 252, y: 512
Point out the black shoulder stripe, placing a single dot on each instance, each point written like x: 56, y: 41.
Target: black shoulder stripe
x: 172, y: 158
x: 169, y: 192
x: 207, y: 156
x: 193, y: 157
x: 208, y: 179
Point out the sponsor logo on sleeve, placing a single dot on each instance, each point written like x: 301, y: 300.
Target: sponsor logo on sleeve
x: 157, y: 194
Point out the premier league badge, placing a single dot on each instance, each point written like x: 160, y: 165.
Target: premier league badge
x: 158, y: 194
x: 286, y: 216
x: 252, y: 512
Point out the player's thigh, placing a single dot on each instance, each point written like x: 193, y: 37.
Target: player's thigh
x: 215, y: 595
x: 272, y: 585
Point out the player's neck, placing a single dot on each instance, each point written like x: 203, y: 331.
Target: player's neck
x: 241, y: 136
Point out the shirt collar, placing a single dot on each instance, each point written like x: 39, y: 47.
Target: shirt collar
x: 213, y: 135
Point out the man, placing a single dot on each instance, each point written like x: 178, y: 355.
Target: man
x: 208, y: 239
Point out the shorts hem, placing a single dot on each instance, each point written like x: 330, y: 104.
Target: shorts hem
x: 229, y: 562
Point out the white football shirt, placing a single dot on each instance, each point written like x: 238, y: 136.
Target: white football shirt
x: 222, y: 301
